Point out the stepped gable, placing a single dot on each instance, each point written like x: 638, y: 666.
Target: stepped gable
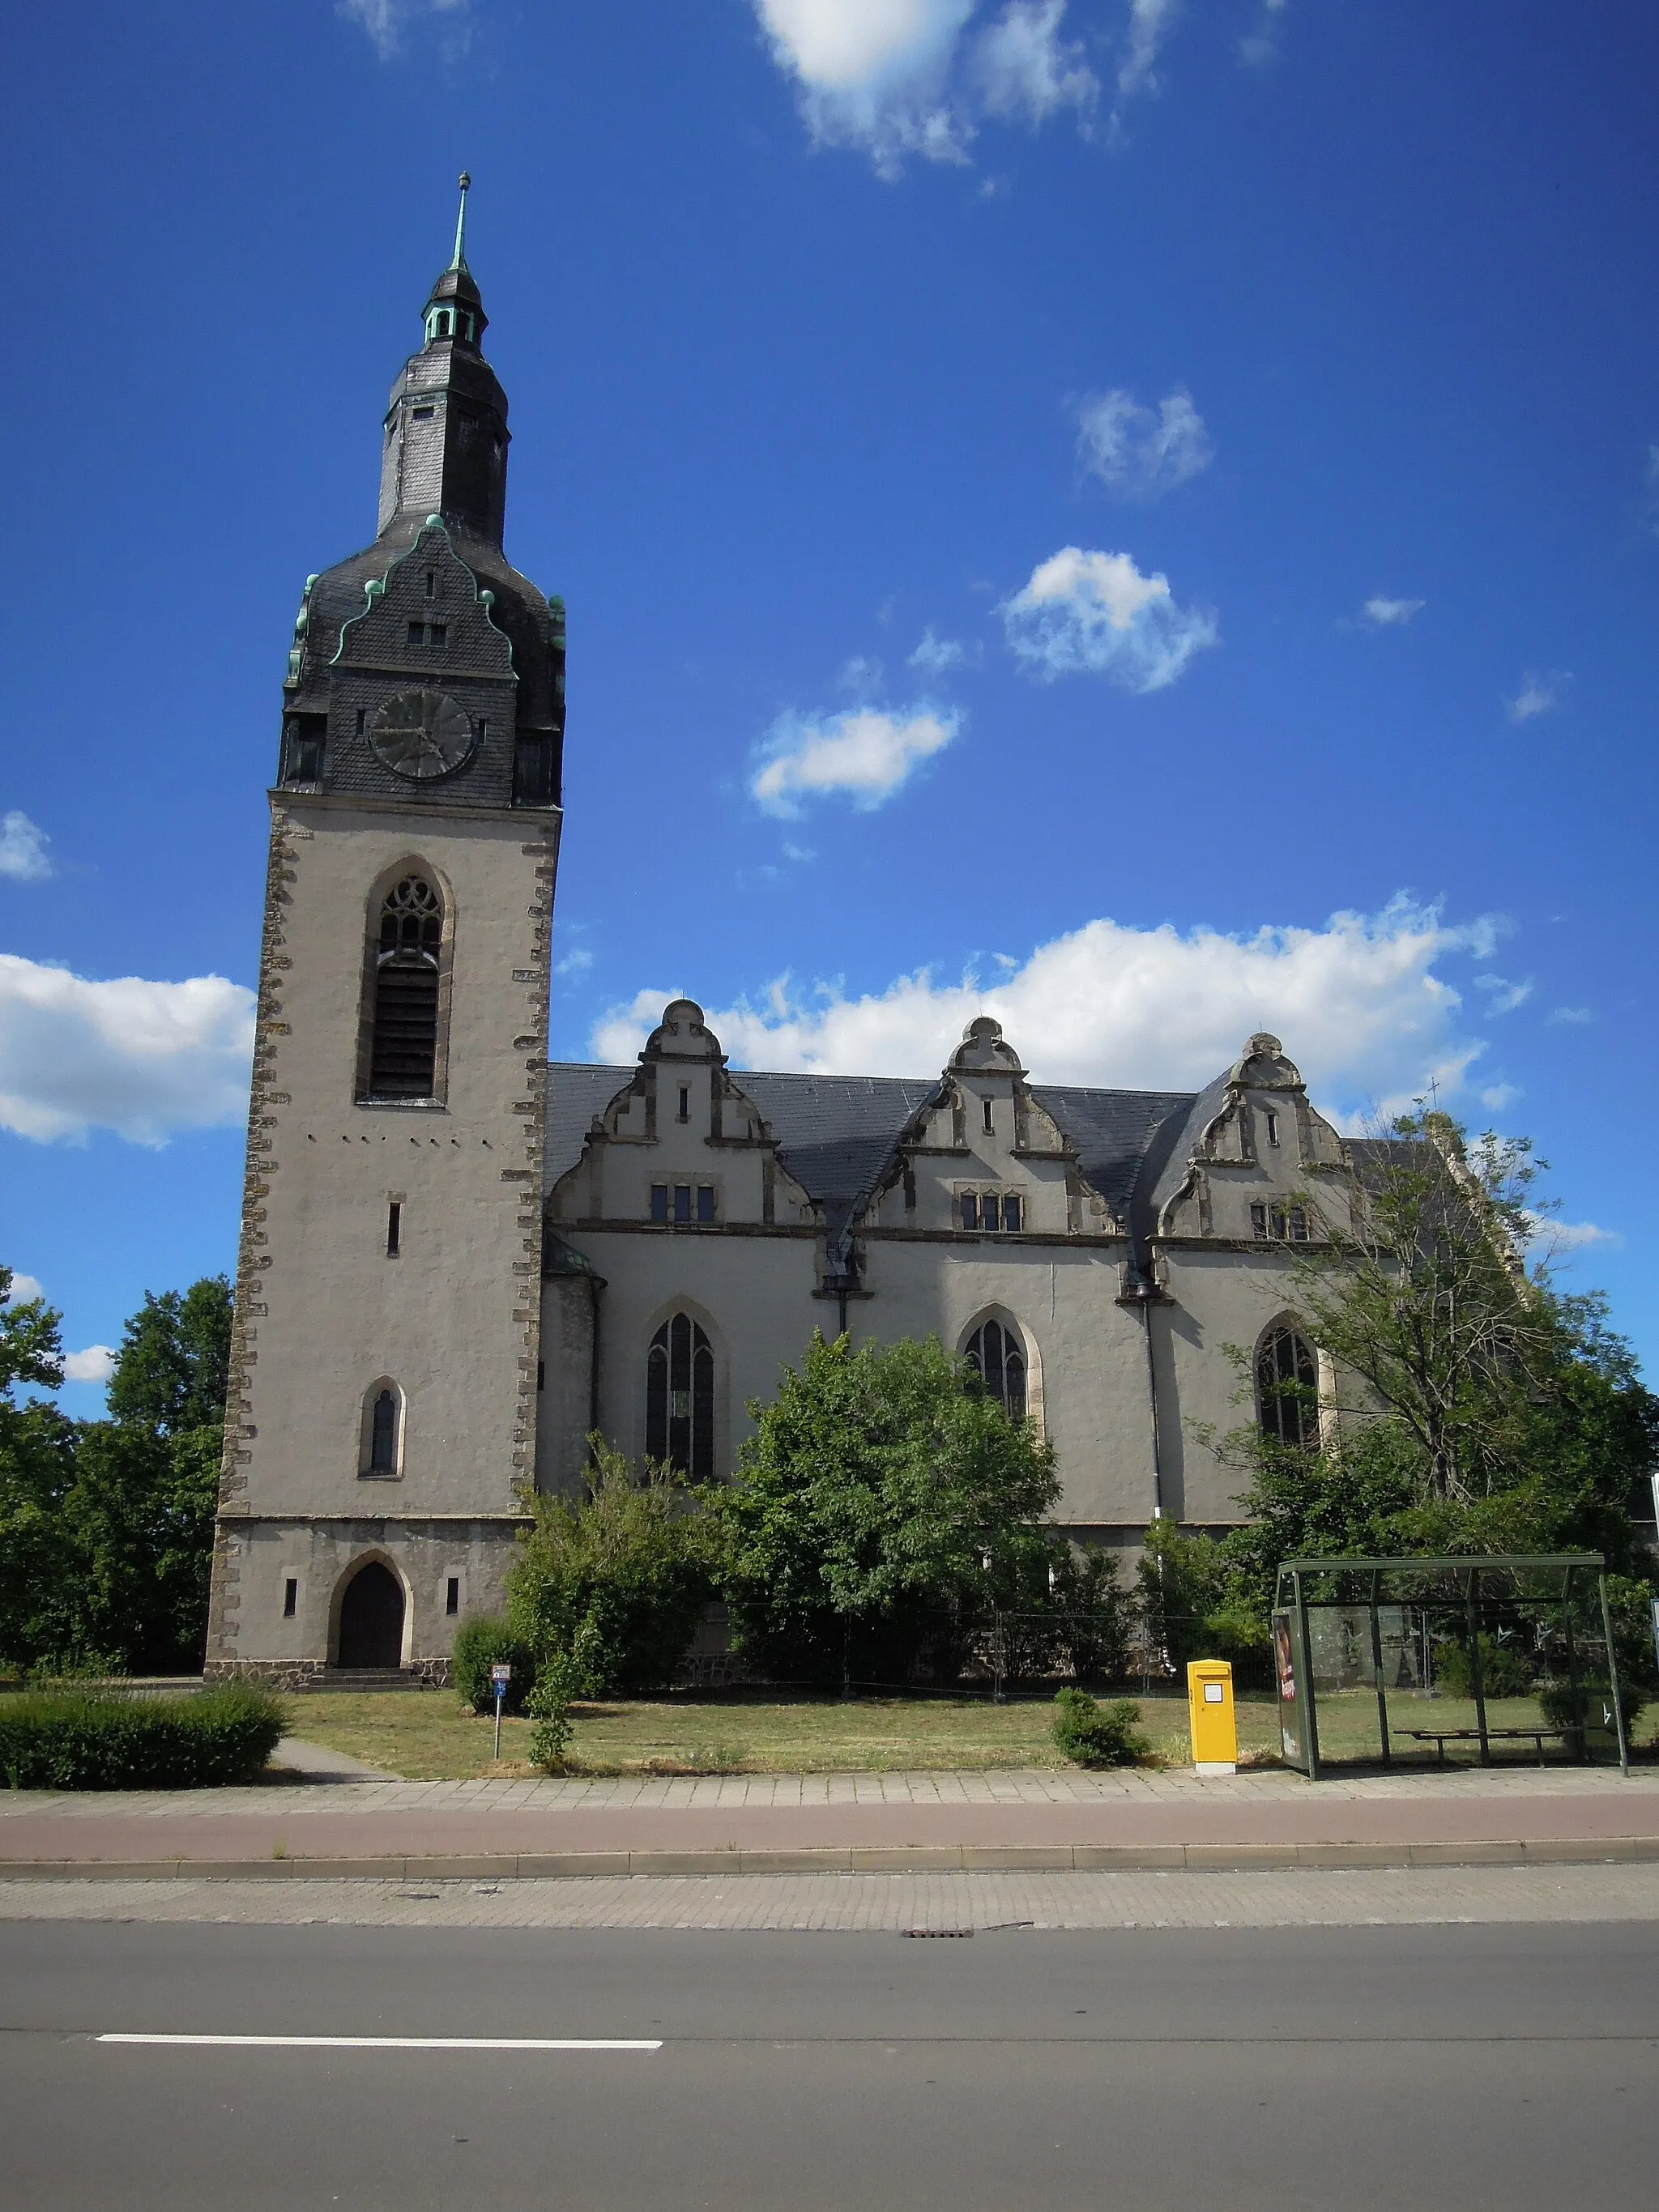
x: 836, y: 1134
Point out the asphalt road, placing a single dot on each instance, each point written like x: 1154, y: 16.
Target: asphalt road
x: 1221, y: 2069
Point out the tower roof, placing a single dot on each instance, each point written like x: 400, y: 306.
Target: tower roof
x: 455, y: 285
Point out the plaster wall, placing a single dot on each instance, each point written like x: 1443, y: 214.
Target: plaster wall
x: 323, y: 1314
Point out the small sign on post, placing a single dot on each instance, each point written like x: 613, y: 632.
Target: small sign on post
x: 499, y: 1675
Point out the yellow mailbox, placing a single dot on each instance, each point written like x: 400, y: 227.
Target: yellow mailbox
x: 1210, y: 1716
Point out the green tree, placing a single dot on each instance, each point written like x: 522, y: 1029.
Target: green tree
x: 141, y: 1509
x: 1482, y: 1410
x: 37, y: 1473
x: 881, y: 1494
x: 616, y: 1577
x: 174, y: 1367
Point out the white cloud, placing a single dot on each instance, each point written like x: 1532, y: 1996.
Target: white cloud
x: 1023, y: 67
x: 903, y: 78
x: 386, y: 21
x: 95, y: 1365
x: 1149, y: 23
x: 1136, y: 451
x: 1506, y: 996
x: 23, y: 1288
x: 1388, y: 614
x: 23, y: 850
x: 1259, y: 45
x: 1497, y: 1095
x: 1360, y: 1005
x: 1572, y: 1014
x: 576, y: 962
x: 1541, y: 693
x: 142, y: 1059
x: 937, y: 653
x: 1547, y: 1237
x: 866, y: 752
x: 1096, y: 611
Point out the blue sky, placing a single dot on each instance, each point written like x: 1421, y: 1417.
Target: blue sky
x: 1143, y: 517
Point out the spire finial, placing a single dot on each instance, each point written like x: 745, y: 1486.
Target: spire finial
x: 460, y: 261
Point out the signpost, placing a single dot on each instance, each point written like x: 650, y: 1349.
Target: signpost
x: 499, y: 1675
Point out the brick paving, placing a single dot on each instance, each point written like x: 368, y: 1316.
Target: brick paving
x: 895, y: 1903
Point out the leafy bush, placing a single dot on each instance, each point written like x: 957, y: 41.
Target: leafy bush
x: 1504, y: 1672
x: 1094, y: 1735
x: 882, y: 1496
x: 1564, y: 1709
x: 479, y: 1642
x: 619, y: 1574
x: 88, y: 1741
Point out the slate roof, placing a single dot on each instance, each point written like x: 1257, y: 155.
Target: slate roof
x: 837, y: 1133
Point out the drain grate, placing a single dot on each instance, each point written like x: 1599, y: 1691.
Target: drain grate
x: 936, y: 1934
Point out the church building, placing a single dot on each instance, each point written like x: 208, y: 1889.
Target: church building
x: 457, y: 1260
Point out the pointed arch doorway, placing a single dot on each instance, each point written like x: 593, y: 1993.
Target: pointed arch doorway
x: 371, y: 1619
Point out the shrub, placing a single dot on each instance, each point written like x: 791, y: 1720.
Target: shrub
x: 876, y: 1486
x: 618, y: 1574
x: 1094, y: 1735
x: 1504, y: 1672
x: 1564, y: 1709
x: 479, y: 1642
x: 84, y: 1741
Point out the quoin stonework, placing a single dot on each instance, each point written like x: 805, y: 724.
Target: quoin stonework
x: 457, y: 1261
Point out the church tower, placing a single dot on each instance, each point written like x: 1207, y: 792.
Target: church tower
x: 382, y: 1410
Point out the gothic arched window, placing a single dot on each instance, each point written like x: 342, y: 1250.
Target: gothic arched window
x: 1287, y: 1388
x: 997, y: 1358
x: 383, y: 1425
x: 679, y: 1397
x: 404, y: 1056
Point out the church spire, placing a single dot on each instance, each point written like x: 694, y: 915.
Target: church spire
x: 445, y: 451
x: 459, y: 261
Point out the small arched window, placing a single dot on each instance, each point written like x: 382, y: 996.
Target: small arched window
x: 383, y: 1430
x: 403, y: 1058
x: 679, y: 1397
x: 997, y: 1358
x: 1287, y: 1389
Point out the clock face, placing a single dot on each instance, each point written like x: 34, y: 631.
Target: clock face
x: 420, y: 734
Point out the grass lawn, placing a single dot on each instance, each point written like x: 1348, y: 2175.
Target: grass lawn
x: 425, y: 1734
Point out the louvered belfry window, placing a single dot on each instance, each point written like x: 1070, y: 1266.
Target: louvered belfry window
x: 679, y: 1398
x: 404, y: 1061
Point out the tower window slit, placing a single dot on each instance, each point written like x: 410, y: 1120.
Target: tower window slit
x: 290, y: 1597
x: 990, y: 1123
x: 452, y: 1596
x: 394, y: 1229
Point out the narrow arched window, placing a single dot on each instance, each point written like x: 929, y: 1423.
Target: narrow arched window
x: 383, y: 1434
x: 997, y: 1358
x: 1287, y: 1389
x: 679, y: 1397
x: 404, y: 1058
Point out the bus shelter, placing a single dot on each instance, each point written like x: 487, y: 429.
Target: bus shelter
x: 1415, y: 1662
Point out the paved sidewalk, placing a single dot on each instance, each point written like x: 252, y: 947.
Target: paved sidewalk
x: 928, y: 1904
x: 796, y: 1823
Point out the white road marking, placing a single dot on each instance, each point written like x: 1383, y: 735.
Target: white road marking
x: 401, y: 2042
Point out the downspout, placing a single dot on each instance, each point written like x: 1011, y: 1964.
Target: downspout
x: 1147, y: 1297
x: 593, y: 1289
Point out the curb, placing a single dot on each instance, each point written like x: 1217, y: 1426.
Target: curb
x: 901, y: 1858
